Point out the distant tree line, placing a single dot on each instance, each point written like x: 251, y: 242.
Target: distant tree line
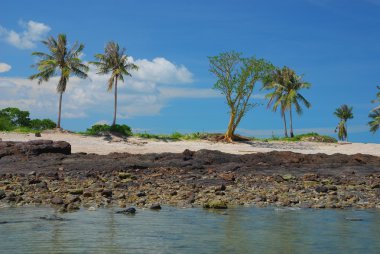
x: 14, y: 118
x: 236, y: 77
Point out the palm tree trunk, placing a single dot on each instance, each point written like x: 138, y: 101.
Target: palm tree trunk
x: 115, y: 106
x: 291, y: 122
x: 59, y: 110
x: 285, y: 128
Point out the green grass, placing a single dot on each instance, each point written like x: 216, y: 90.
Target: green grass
x: 174, y: 136
x: 312, y: 136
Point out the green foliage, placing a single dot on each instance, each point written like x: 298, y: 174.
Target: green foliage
x: 236, y: 79
x: 374, y: 124
x: 42, y: 124
x: 312, y: 137
x: 344, y: 112
x: 16, y: 116
x: 98, y: 129
x: 174, y: 136
x: 5, y: 124
x: 14, y: 119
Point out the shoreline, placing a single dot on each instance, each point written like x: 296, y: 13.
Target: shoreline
x: 51, y: 175
x: 105, y: 145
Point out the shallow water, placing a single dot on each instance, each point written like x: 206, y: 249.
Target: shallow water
x: 174, y: 230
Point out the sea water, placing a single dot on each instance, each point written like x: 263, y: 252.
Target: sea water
x: 190, y: 230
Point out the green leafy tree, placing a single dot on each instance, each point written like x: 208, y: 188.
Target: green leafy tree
x: 236, y: 79
x: 374, y: 124
x: 114, y: 61
x: 16, y: 117
x: 344, y: 113
x: 60, y: 60
x: 286, y: 86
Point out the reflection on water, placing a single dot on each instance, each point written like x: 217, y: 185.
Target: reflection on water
x: 173, y: 230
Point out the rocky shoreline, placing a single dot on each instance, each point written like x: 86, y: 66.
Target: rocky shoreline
x: 46, y: 173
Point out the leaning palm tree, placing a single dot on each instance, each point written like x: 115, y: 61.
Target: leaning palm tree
x: 60, y: 60
x: 114, y: 61
x: 344, y: 112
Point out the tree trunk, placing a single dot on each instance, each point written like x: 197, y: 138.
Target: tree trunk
x: 291, y: 122
x: 59, y: 111
x: 285, y: 128
x: 115, y: 106
x: 230, y: 130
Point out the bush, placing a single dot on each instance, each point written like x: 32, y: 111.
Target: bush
x: 16, y: 116
x: 99, y: 129
x: 5, y: 124
x: 40, y: 125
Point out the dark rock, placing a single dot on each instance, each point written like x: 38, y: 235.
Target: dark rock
x: 37, y: 134
x: 107, y: 193
x: 34, y: 181
x: 34, y: 147
x: 2, y: 194
x: 130, y: 210
x: 173, y: 193
x: 321, y: 189
x: 56, y: 201
x: 155, y: 207
x: 141, y: 194
x: 42, y: 185
x: 52, y: 218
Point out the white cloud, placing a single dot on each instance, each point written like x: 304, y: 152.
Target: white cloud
x: 4, y: 67
x: 33, y: 32
x: 162, y: 71
x: 140, y: 95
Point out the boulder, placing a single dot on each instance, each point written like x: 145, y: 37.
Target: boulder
x: 33, y: 148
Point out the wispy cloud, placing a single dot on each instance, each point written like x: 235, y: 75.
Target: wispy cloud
x: 5, y: 67
x: 143, y: 94
x: 26, y: 39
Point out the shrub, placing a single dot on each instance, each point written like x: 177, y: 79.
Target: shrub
x: 5, y: 124
x: 98, y: 129
x: 16, y: 116
x: 44, y: 124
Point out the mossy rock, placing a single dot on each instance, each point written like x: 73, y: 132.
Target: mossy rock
x: 215, y: 204
x: 124, y: 175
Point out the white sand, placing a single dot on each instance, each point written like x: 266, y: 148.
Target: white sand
x: 99, y: 145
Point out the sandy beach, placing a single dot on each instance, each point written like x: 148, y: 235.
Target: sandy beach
x: 101, y: 145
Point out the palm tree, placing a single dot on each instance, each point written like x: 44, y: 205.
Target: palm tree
x: 286, y: 84
x: 375, y: 123
x: 278, y: 81
x: 344, y: 113
x: 60, y: 60
x: 293, y: 97
x: 375, y: 114
x: 114, y: 60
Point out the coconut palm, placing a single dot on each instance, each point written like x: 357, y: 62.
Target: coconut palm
x: 277, y: 81
x: 60, y: 60
x: 375, y: 114
x: 344, y: 112
x: 114, y: 61
x: 287, y: 85
x: 293, y: 97
x: 375, y: 123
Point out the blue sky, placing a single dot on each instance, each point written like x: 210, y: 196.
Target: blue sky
x: 334, y: 43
